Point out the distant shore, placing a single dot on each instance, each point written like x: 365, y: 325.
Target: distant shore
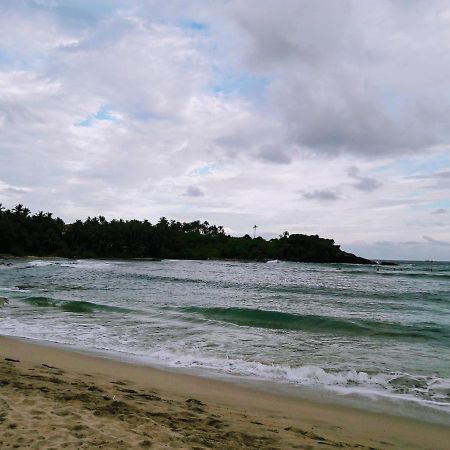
x: 264, y: 260
x: 42, y: 234
x: 53, y: 397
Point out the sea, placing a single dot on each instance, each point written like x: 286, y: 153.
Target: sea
x: 370, y: 336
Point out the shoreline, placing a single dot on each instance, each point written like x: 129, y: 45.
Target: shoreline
x: 374, y: 403
x: 192, y: 411
x: 153, y: 259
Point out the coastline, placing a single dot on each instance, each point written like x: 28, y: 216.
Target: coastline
x: 89, y: 401
x: 362, y: 261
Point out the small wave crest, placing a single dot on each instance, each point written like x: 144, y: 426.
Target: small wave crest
x: 14, y: 289
x: 72, y: 306
x: 397, y: 272
x: 86, y: 264
x: 40, y: 263
x: 278, y: 320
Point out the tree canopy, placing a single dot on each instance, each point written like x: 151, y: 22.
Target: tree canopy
x: 41, y: 234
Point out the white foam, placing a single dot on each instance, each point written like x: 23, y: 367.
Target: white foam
x: 99, y: 336
x: 86, y: 264
x: 13, y: 289
x: 40, y: 263
x: 342, y: 382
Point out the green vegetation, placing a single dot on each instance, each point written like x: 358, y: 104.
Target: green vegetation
x: 22, y: 233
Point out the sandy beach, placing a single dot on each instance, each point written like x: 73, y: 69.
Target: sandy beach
x: 52, y: 398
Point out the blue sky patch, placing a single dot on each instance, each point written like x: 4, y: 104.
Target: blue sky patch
x: 7, y: 57
x: 193, y: 25
x: 417, y: 167
x: 12, y: 59
x: 207, y: 169
x: 104, y: 113
x: 245, y: 85
x: 444, y: 203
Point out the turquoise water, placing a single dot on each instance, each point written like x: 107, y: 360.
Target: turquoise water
x: 374, y: 335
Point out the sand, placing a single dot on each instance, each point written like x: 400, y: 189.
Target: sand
x: 52, y: 398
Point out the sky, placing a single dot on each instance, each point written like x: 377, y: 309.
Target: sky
x: 316, y: 117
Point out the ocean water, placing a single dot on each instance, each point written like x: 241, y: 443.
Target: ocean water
x: 377, y: 337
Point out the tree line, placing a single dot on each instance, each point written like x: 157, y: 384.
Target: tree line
x: 41, y: 234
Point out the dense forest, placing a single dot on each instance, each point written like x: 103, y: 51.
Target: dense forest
x: 41, y: 234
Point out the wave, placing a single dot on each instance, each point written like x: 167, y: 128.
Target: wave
x: 426, y: 275
x: 277, y: 320
x: 397, y: 272
x: 86, y: 264
x: 246, y: 285
x: 307, y: 374
x: 163, y: 278
x: 72, y: 306
x: 431, y: 391
x: 40, y: 263
x: 422, y: 297
x: 14, y: 289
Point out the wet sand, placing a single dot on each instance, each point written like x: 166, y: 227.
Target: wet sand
x: 52, y: 398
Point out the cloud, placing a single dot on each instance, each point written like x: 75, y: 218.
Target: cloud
x: 402, y: 250
x: 13, y: 190
x: 436, y: 180
x: 274, y: 155
x: 444, y: 175
x: 339, y: 71
x: 366, y: 184
x: 321, y: 194
x: 118, y: 107
x: 193, y: 191
x: 440, y: 211
x: 437, y: 241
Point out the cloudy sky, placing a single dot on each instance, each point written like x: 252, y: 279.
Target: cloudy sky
x: 317, y: 117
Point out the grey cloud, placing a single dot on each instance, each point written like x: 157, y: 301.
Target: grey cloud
x: 13, y: 190
x: 291, y: 29
x: 193, y: 191
x: 341, y: 87
x: 436, y: 180
x: 436, y: 241
x: 439, y: 178
x: 366, y: 184
x: 435, y: 175
x: 331, y: 116
x: 274, y: 155
x: 324, y: 195
x: 407, y: 250
x: 439, y: 211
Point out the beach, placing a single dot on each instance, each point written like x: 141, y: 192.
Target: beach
x: 52, y: 398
